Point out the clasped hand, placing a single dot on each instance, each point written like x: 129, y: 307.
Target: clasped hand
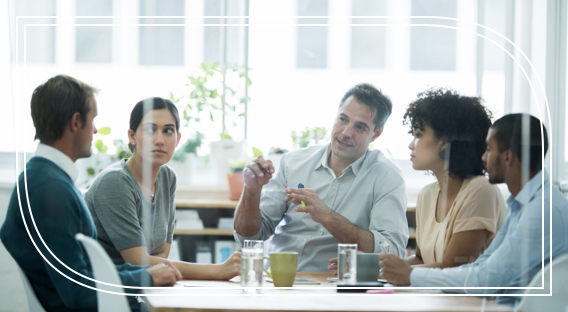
x: 318, y: 211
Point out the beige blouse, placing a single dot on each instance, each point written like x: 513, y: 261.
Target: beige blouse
x: 478, y: 205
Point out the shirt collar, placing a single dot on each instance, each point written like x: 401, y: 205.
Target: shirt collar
x: 60, y: 159
x: 355, y: 166
x: 530, y: 189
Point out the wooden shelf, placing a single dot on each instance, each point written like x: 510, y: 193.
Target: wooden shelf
x: 412, y: 235
x: 206, y: 231
x: 206, y: 203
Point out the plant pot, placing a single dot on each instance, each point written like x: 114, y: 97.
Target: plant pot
x: 236, y: 184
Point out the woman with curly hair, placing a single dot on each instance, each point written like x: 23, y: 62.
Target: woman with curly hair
x: 457, y: 216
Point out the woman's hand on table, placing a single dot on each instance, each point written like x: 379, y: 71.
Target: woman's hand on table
x: 333, y: 265
x: 395, y: 270
x: 230, y: 268
x: 165, y: 274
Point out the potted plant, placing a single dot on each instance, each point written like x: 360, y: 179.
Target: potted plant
x: 236, y: 179
x: 235, y: 176
x: 212, y: 91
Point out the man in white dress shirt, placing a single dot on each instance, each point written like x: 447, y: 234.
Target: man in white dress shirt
x: 352, y: 194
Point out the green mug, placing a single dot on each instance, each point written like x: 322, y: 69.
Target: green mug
x: 283, y: 266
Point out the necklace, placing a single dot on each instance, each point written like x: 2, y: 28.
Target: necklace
x: 141, y: 185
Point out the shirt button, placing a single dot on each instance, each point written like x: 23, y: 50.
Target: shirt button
x: 335, y: 181
x: 321, y: 229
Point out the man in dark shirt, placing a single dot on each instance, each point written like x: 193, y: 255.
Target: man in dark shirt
x: 43, y: 241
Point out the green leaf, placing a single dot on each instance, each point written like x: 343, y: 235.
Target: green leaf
x: 241, y: 115
x: 90, y: 171
x: 98, y: 144
x: 211, y: 115
x: 225, y: 136
x: 256, y: 152
x: 214, y: 106
x: 213, y: 93
x: 104, y: 130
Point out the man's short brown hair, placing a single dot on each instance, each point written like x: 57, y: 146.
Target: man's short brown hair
x: 54, y: 103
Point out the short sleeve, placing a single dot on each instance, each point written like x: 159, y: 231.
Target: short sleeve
x: 482, y: 208
x: 116, y: 205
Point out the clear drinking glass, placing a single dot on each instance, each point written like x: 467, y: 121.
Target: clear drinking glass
x: 247, y: 244
x: 251, y: 269
x: 347, y: 263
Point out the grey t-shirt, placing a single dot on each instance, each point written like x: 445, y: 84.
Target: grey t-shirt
x: 125, y: 218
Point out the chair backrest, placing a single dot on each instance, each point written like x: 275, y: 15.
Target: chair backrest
x: 559, y: 299
x: 104, y: 271
x: 33, y: 302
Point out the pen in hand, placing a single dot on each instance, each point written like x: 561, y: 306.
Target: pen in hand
x: 301, y: 186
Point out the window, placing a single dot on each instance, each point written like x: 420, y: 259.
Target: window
x: 493, y: 84
x: 213, y: 39
x: 495, y: 19
x: 433, y: 48
x: 161, y: 45
x: 40, y: 40
x: 93, y: 43
x: 212, y: 34
x: 312, y: 40
x: 368, y: 43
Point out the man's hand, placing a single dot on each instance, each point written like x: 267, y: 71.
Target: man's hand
x: 395, y: 270
x: 333, y: 265
x: 314, y: 206
x: 258, y: 172
x: 230, y: 268
x: 164, y: 274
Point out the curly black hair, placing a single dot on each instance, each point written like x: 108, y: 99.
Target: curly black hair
x: 462, y: 120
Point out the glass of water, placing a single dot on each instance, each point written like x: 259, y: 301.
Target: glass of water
x: 252, y: 256
x: 347, y: 263
x: 247, y: 244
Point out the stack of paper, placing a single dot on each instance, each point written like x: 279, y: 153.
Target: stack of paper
x: 188, y: 220
x: 226, y: 223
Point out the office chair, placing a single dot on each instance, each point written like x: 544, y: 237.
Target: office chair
x: 559, y: 299
x: 104, y: 271
x: 33, y: 302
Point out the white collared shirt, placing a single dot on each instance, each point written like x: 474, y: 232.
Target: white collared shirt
x: 60, y: 159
